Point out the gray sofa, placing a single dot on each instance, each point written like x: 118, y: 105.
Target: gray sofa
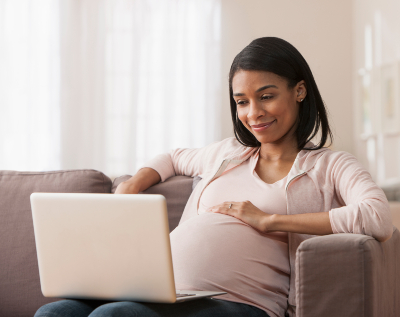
x: 337, y: 275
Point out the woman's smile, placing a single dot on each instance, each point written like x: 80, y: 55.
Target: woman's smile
x: 262, y: 126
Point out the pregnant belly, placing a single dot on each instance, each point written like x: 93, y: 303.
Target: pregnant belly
x: 218, y: 252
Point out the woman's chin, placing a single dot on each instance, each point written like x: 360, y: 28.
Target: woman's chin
x: 264, y: 139
x: 272, y: 141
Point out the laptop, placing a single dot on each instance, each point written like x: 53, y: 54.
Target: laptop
x: 105, y: 246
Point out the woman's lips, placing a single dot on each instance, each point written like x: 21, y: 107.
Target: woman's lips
x: 262, y: 126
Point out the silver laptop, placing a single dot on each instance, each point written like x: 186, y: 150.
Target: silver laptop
x: 105, y: 246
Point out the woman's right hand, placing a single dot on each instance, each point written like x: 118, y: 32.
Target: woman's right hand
x: 126, y: 188
x: 142, y: 180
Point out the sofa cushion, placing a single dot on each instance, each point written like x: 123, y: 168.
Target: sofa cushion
x: 196, y: 180
x: 176, y: 191
x: 20, y: 293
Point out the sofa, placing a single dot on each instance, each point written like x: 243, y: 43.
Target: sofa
x: 336, y: 275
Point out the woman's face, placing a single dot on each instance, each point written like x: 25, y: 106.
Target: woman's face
x: 266, y: 106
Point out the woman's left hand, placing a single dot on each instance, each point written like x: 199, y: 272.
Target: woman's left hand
x: 246, y: 212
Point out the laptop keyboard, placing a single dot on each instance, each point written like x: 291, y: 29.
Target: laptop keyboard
x: 183, y: 295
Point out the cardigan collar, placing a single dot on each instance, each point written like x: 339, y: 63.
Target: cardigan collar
x: 305, y: 159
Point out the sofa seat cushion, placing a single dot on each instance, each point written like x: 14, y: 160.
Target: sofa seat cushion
x: 20, y: 293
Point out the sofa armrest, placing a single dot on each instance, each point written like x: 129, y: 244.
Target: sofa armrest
x: 348, y: 275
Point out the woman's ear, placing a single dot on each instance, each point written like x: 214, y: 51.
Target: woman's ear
x: 301, y: 90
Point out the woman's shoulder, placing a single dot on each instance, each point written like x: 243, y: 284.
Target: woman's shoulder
x: 338, y: 156
x: 327, y: 158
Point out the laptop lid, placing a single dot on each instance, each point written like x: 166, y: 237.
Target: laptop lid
x: 103, y: 246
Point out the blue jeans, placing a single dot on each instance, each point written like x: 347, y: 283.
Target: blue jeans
x: 204, y: 307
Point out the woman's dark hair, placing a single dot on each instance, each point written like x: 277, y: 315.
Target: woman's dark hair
x: 272, y: 54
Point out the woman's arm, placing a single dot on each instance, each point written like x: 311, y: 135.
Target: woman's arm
x: 312, y: 223
x: 178, y: 162
x: 188, y: 162
x: 366, y: 209
x: 192, y: 162
x: 142, y: 180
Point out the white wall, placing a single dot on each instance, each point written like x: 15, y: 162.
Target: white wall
x: 320, y: 30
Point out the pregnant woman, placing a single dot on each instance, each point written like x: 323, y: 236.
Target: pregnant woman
x: 261, y: 194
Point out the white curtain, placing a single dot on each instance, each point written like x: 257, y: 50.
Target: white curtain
x: 107, y: 84
x: 29, y: 85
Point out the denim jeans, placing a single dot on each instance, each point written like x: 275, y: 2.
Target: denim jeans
x: 204, y: 307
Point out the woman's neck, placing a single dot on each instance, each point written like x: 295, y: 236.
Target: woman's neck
x: 279, y: 151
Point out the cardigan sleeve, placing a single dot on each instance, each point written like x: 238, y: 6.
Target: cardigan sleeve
x: 366, y: 209
x: 188, y: 162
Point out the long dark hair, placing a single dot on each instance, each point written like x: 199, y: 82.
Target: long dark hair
x: 277, y: 56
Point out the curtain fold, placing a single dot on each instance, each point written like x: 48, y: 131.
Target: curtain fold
x: 29, y: 85
x: 168, y: 53
x: 106, y: 84
x: 82, y: 84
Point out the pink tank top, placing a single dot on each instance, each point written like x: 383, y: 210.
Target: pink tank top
x: 219, y: 252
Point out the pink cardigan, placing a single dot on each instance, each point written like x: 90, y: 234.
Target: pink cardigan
x: 321, y: 180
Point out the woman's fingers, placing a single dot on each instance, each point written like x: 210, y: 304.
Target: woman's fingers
x: 224, y: 207
x: 244, y: 211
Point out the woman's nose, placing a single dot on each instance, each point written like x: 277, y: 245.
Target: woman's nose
x: 255, y: 111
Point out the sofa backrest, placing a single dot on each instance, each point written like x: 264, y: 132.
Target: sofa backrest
x: 20, y: 293
x: 176, y: 190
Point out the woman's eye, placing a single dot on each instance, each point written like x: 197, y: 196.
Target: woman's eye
x: 266, y: 97
x: 240, y: 102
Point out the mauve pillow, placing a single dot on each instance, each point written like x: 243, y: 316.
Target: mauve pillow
x: 20, y: 293
x: 176, y: 191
